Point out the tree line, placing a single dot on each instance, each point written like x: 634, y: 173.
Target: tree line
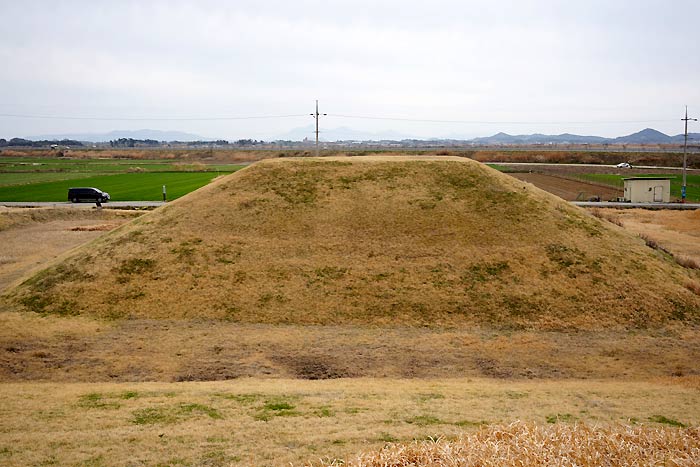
x: 37, y: 144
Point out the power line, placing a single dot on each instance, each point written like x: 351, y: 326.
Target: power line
x: 496, y: 122
x: 315, y: 116
x: 359, y: 117
x: 152, y: 119
x: 685, y: 150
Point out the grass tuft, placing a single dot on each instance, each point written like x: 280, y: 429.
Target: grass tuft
x: 163, y: 415
x: 666, y: 421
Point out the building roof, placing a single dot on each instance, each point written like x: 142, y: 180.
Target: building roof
x: 647, y: 178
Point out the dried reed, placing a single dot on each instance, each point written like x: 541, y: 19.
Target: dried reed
x: 562, y: 445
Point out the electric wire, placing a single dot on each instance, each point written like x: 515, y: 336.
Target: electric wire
x: 497, y: 122
x: 358, y: 117
x: 141, y: 119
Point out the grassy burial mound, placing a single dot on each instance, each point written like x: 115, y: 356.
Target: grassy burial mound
x: 411, y: 241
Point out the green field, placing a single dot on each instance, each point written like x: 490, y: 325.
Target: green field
x: 103, y: 166
x: 23, y: 179
x: 693, y: 182
x: 121, y: 187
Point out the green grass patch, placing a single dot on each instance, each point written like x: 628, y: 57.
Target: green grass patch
x: 387, y: 438
x: 244, y: 398
x: 15, y: 179
x: 471, y: 423
x: 693, y: 182
x: 42, y: 179
x: 277, y: 407
x: 324, y: 411
x: 667, y: 421
x: 424, y: 420
x: 429, y: 396
x: 502, y: 168
x: 136, y: 266
x: 172, y: 414
x: 62, y: 166
x: 560, y: 417
x: 121, y: 187
x: 96, y: 401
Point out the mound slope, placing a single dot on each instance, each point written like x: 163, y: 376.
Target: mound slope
x: 415, y: 241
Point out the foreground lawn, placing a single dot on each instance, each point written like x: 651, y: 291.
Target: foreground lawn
x: 274, y: 422
x: 122, y: 187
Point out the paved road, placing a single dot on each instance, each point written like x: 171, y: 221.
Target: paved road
x: 155, y: 204
x: 607, y: 204
x: 550, y: 164
x: 67, y: 204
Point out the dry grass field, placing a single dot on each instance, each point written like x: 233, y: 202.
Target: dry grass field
x: 31, y: 237
x: 308, y: 312
x: 278, y: 422
x: 677, y: 231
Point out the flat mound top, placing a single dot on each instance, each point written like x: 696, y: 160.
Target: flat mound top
x: 369, y: 240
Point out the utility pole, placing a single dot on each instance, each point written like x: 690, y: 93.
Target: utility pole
x: 316, y: 115
x: 685, y: 152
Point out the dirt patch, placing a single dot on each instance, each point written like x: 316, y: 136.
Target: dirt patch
x: 48, y: 348
x: 94, y: 228
x: 313, y: 367
x: 30, y: 238
x: 570, y: 190
x: 211, y: 370
x: 491, y: 369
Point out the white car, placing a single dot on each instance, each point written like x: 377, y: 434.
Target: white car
x: 624, y: 165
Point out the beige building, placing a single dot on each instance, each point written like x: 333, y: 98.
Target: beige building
x: 647, y: 190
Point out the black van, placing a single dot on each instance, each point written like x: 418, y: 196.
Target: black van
x: 93, y: 195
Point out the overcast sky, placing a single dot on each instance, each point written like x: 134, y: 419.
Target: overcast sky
x: 600, y: 67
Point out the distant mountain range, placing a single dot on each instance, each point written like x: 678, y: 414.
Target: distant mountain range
x: 340, y: 134
x: 646, y: 136
x: 157, y: 135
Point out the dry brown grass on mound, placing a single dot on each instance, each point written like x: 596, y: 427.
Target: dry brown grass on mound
x: 520, y: 444
x: 368, y: 240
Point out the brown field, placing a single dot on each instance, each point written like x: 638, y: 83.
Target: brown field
x: 563, y: 156
x: 567, y: 189
x: 29, y: 238
x: 260, y: 423
x: 676, y: 231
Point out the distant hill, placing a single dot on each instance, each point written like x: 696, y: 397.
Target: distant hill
x: 158, y: 135
x: 340, y: 134
x: 646, y: 136
x: 389, y: 241
x: 537, y: 138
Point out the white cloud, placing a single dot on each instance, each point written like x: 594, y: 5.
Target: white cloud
x: 465, y: 60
